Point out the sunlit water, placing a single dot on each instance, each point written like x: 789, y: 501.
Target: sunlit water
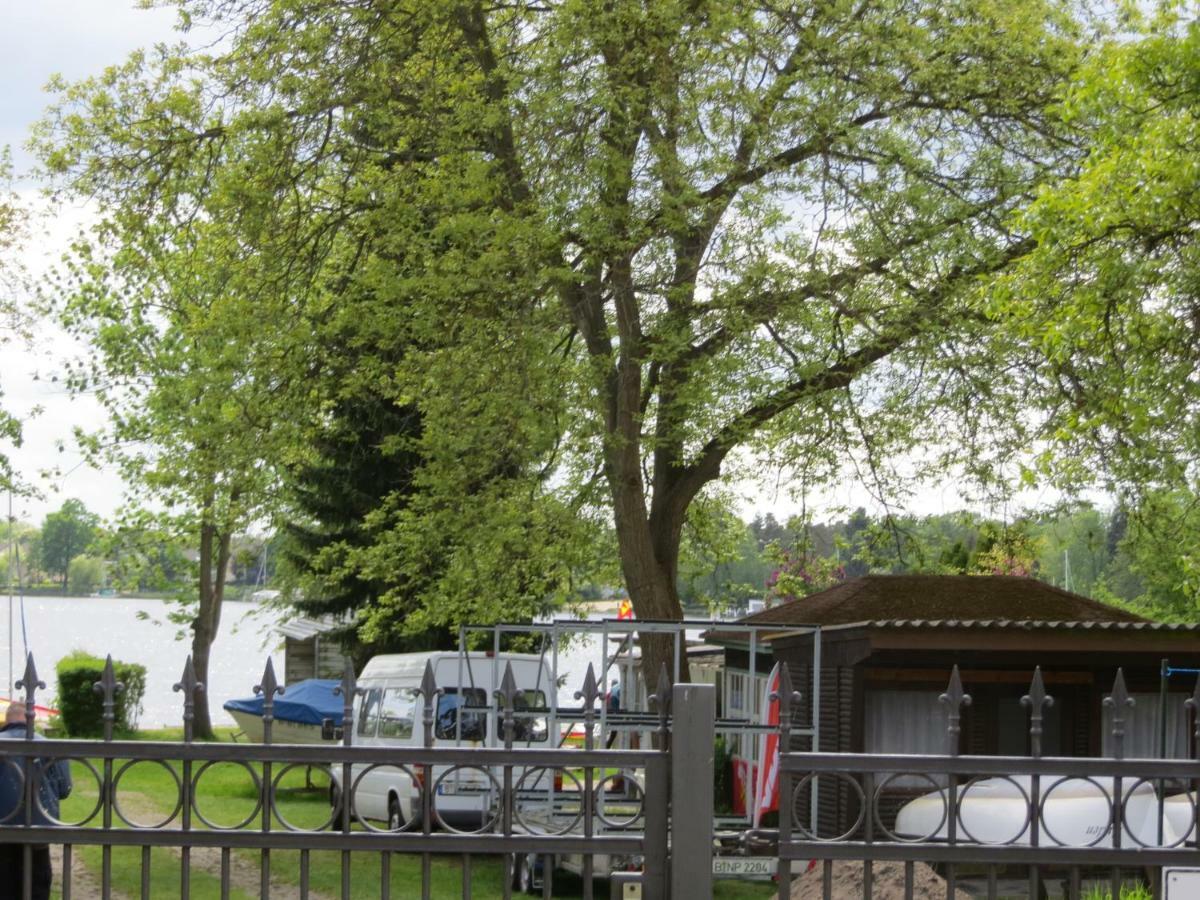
x: 137, y: 631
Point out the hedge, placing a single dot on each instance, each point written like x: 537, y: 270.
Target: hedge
x: 82, y: 708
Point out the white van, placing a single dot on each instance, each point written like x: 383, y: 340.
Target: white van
x: 389, y: 714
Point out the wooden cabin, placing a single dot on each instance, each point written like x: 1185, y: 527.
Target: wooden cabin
x: 888, y: 644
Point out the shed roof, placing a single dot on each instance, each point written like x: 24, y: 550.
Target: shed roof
x: 939, y: 600
x: 303, y: 629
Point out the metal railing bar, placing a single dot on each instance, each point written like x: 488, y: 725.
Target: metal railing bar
x: 908, y: 879
x: 155, y: 751
x: 145, y: 873
x: 856, y: 763
x: 985, y: 854
x: 68, y: 858
x: 385, y: 875
x: 226, y: 874
x: 627, y: 844
x: 304, y: 862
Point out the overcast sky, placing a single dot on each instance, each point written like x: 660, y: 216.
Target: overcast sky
x: 40, y: 38
x: 78, y: 38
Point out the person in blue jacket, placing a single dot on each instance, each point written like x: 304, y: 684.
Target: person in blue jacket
x: 53, y: 784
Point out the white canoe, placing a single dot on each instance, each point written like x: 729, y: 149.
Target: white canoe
x: 1075, y: 813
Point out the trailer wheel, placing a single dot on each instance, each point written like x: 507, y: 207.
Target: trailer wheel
x: 523, y: 874
x: 395, y: 816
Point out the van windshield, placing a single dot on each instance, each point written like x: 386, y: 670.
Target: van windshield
x: 462, y: 714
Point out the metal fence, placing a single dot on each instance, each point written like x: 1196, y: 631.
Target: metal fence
x: 642, y: 814
x: 602, y: 808
x: 1051, y: 822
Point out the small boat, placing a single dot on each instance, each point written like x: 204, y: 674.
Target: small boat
x: 1075, y: 813
x: 298, y: 712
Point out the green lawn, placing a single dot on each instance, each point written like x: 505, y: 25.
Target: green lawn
x: 147, y: 793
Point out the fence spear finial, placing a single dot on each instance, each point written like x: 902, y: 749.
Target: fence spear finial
x: 190, y: 687
x: 1118, y: 701
x: 31, y: 684
x: 660, y: 700
x: 108, y: 687
x: 788, y: 699
x: 955, y: 699
x: 269, y: 687
x: 588, y: 694
x: 506, y: 696
x: 1037, y: 699
x: 348, y: 691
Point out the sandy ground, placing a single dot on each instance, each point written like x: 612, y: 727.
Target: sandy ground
x: 887, y: 884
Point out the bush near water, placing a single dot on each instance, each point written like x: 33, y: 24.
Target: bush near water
x: 82, y: 707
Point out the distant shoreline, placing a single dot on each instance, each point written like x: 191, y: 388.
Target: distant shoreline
x: 230, y: 597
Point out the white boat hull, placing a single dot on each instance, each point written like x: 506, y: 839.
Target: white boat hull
x: 1075, y: 812
x: 282, y: 731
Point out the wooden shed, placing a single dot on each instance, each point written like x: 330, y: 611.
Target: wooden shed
x: 308, y: 652
x: 889, y: 642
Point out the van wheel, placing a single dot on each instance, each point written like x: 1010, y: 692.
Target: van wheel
x: 395, y: 816
x: 335, y: 797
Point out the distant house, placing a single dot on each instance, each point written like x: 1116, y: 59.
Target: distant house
x: 888, y: 643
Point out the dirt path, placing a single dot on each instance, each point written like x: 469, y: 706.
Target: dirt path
x: 243, y: 872
x: 85, y: 885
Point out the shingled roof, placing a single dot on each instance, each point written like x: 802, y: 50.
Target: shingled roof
x: 884, y: 599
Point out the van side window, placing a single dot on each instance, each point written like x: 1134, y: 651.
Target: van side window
x: 396, y: 714
x: 462, y: 714
x: 527, y: 727
x: 368, y: 713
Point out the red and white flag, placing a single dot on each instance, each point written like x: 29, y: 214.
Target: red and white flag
x: 766, y: 785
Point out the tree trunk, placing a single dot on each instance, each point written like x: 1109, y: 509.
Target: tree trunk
x: 649, y: 561
x: 208, y: 616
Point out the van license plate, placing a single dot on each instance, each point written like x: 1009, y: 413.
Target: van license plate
x: 744, y: 866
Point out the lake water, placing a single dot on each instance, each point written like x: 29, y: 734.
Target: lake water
x: 137, y: 631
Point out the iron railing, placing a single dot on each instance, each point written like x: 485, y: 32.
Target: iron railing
x: 610, y: 810
x: 1070, y: 819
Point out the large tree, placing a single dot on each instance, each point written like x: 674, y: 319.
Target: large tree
x: 66, y: 534
x: 647, y: 243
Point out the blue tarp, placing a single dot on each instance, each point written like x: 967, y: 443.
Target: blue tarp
x: 307, y: 702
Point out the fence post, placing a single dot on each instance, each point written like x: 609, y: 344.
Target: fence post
x: 694, y: 708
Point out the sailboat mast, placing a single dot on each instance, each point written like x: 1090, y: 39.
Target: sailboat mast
x: 11, y: 571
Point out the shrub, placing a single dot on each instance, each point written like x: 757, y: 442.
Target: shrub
x: 82, y: 709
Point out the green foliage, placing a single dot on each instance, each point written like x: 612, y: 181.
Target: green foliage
x: 86, y: 573
x: 623, y: 247
x: 799, y: 572
x: 1128, y: 892
x: 720, y: 564
x: 1103, y: 312
x: 13, y: 321
x: 66, y: 534
x: 82, y: 708
x: 1156, y: 562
